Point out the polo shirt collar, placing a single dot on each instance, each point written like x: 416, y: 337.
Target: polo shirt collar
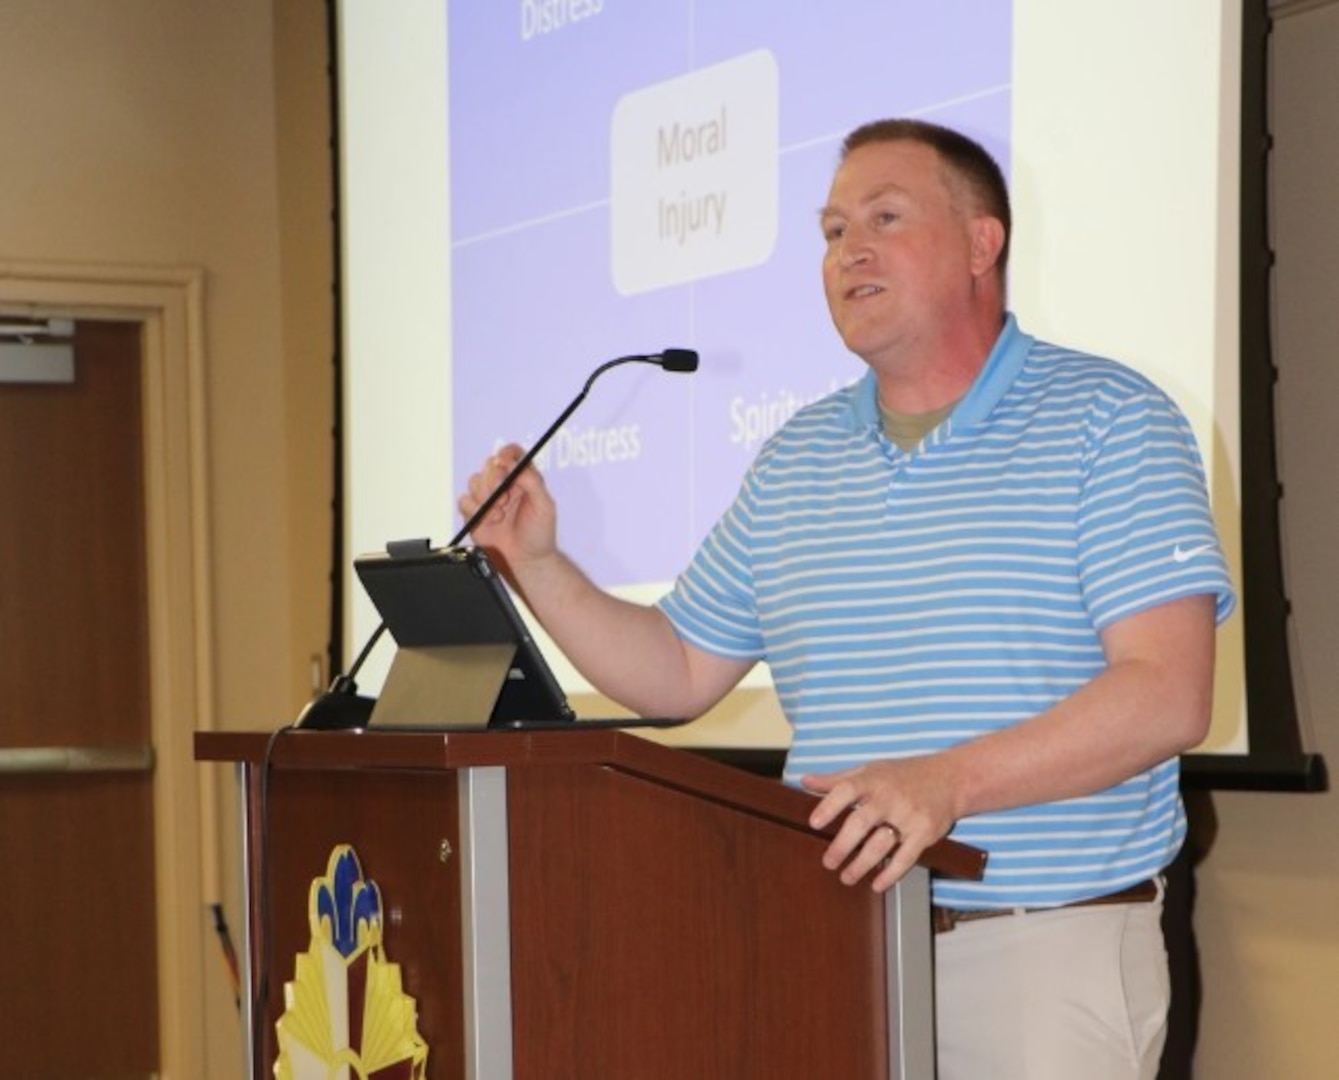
x: 1002, y: 366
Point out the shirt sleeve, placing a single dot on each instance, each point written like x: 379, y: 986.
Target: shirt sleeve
x: 1146, y: 531
x: 712, y: 604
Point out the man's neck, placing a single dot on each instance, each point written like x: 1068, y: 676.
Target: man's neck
x: 931, y: 375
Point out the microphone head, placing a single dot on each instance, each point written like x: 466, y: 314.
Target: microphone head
x: 684, y: 360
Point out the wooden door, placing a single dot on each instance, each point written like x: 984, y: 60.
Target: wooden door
x: 78, y: 983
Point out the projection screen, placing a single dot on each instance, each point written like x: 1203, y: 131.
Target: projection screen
x: 530, y: 188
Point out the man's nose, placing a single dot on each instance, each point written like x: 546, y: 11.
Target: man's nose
x: 854, y: 248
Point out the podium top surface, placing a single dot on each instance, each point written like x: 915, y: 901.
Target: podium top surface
x: 606, y: 748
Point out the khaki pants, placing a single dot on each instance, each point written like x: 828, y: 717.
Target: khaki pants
x: 1073, y: 994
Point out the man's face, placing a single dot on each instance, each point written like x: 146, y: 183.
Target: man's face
x: 898, y: 266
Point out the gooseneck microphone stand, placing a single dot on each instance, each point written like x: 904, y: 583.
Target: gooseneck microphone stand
x: 341, y: 707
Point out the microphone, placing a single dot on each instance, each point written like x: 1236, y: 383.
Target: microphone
x: 676, y: 360
x: 341, y: 707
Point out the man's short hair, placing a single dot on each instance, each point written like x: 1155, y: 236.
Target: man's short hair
x: 968, y: 164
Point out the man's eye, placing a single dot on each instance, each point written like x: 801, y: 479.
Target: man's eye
x: 833, y: 232
x: 885, y: 217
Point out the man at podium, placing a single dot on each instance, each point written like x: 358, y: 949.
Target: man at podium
x: 986, y: 579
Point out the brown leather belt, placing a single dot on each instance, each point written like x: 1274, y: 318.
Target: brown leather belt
x: 945, y: 919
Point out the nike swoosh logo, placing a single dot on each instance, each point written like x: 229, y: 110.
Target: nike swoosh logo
x: 1180, y: 554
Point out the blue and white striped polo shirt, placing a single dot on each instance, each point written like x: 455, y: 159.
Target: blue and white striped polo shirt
x: 908, y: 602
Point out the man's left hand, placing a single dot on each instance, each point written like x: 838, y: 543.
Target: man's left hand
x: 894, y: 811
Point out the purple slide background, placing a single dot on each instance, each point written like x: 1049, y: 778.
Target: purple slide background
x: 534, y: 308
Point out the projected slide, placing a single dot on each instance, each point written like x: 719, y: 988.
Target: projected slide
x: 630, y: 177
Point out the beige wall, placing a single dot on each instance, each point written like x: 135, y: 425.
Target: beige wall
x: 144, y: 132
x: 302, y: 82
x: 193, y: 132
x: 1268, y: 914
x: 163, y: 133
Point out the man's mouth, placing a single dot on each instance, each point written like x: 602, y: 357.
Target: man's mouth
x: 860, y: 292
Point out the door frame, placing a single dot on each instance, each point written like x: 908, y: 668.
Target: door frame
x: 168, y: 304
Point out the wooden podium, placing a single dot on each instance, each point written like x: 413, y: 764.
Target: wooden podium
x: 588, y: 905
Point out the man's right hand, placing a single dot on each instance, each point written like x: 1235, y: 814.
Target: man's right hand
x: 628, y: 651
x: 523, y: 523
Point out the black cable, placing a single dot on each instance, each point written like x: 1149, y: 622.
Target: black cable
x: 229, y: 951
x: 335, y: 645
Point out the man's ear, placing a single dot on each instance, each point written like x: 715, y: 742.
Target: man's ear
x: 987, y: 243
